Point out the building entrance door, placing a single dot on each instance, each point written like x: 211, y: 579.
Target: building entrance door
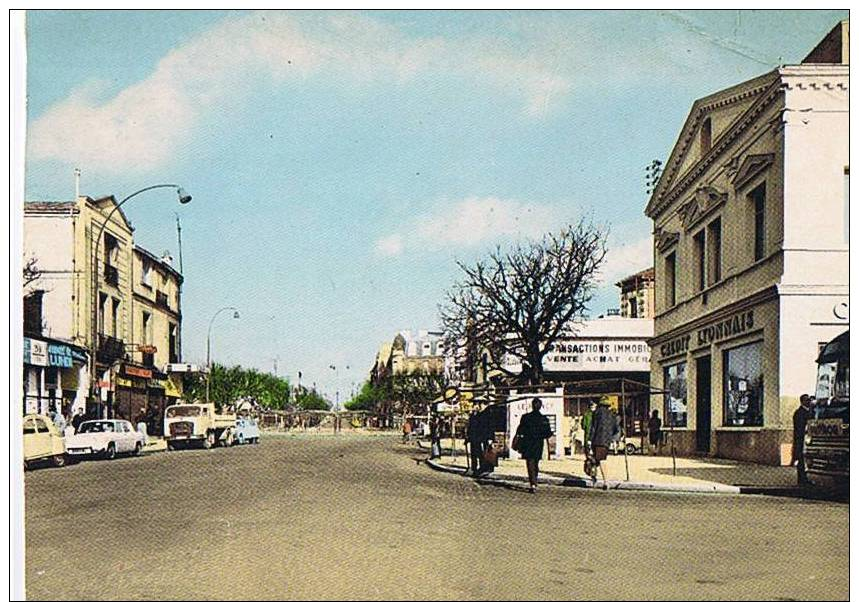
x: 702, y: 405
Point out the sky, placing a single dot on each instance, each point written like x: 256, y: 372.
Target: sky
x: 342, y: 162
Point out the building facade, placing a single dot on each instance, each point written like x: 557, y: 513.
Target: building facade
x: 638, y: 295
x: 60, y: 238
x: 409, y: 353
x: 751, y: 257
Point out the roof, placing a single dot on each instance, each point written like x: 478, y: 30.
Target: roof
x: 646, y: 274
x: 102, y: 200
x: 153, y: 257
x: 50, y: 207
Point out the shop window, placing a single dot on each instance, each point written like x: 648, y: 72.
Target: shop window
x: 670, y: 279
x: 700, y: 260
x: 744, y: 385
x: 714, y: 250
x: 758, y: 198
x: 674, y: 383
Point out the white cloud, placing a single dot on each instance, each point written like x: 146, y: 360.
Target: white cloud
x: 471, y: 222
x: 143, y: 125
x: 389, y: 246
x: 625, y: 260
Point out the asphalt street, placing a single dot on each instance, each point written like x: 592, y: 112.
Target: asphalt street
x: 357, y: 517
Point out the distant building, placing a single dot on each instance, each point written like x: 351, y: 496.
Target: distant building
x: 420, y: 352
x: 637, y: 294
x: 751, y: 242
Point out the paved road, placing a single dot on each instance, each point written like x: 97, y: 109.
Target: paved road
x: 357, y: 517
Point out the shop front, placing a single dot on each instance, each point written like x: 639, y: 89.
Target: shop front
x: 55, y: 377
x: 131, y: 385
x: 733, y: 377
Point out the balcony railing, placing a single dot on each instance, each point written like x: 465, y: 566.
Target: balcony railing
x: 111, y: 275
x: 110, y: 348
x: 162, y: 300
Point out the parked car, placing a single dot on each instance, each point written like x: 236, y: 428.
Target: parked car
x: 42, y: 441
x: 105, y: 438
x: 247, y: 430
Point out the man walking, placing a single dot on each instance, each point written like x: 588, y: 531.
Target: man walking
x: 602, y: 434
x: 533, y: 429
x: 800, y: 419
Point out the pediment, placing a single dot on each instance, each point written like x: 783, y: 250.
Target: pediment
x: 664, y: 239
x: 728, y: 110
x: 705, y: 200
x: 751, y: 167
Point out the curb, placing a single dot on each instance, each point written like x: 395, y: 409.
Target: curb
x: 574, y: 481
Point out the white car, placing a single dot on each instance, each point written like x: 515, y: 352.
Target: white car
x: 105, y: 438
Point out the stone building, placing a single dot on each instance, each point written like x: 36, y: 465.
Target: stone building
x: 751, y: 255
x: 59, y: 236
x: 638, y: 295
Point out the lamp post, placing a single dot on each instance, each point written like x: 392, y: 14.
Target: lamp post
x: 209, y: 345
x: 184, y: 198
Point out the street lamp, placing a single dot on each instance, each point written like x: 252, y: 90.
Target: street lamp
x: 209, y: 345
x: 184, y: 198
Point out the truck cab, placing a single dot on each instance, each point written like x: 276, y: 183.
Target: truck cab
x: 826, y: 451
x: 197, y: 423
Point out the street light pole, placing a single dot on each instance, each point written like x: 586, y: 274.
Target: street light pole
x: 184, y: 198
x: 209, y: 346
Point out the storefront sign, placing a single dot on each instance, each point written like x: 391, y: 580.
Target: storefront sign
x: 123, y: 382
x: 729, y: 327
x: 139, y: 372
x: 35, y: 352
x: 675, y: 346
x: 597, y: 355
x: 60, y: 355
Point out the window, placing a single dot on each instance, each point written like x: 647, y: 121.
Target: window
x: 114, y: 319
x: 758, y: 197
x: 102, y: 308
x: 633, y: 308
x: 111, y: 249
x: 670, y: 282
x: 674, y: 382
x: 33, y: 313
x: 714, y: 250
x: 147, y: 328
x: 146, y: 273
x: 744, y: 385
x: 173, y: 343
x: 700, y: 260
x: 706, y: 136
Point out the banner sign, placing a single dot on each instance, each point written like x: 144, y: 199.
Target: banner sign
x: 60, y: 355
x: 592, y: 355
x: 139, y: 372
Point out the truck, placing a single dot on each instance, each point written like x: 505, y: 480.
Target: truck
x: 198, y: 424
x: 826, y: 449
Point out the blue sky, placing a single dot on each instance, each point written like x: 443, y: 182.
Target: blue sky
x: 340, y: 162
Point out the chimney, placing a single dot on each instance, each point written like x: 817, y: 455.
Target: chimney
x: 167, y: 258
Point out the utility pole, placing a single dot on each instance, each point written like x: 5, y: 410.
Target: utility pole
x: 179, y: 235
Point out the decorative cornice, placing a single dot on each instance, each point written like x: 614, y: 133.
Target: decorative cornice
x: 663, y: 240
x: 705, y: 200
x: 751, y: 166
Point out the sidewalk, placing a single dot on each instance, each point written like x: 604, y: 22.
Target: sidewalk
x: 646, y: 473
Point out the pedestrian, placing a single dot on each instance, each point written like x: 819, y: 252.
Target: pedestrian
x: 474, y: 437
x: 435, y: 438
x: 602, y: 433
x: 77, y: 419
x: 587, y: 420
x: 533, y: 429
x: 486, y: 435
x: 58, y: 420
x: 407, y: 430
x: 800, y: 418
x: 654, y: 432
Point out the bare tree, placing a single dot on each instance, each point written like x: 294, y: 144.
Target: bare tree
x: 31, y: 271
x: 517, y: 304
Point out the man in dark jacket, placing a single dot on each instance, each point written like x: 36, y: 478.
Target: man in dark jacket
x: 603, y: 430
x: 800, y: 418
x: 534, y: 428
x: 475, y: 444
x: 77, y: 419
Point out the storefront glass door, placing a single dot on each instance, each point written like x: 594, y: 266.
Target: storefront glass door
x: 702, y: 404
